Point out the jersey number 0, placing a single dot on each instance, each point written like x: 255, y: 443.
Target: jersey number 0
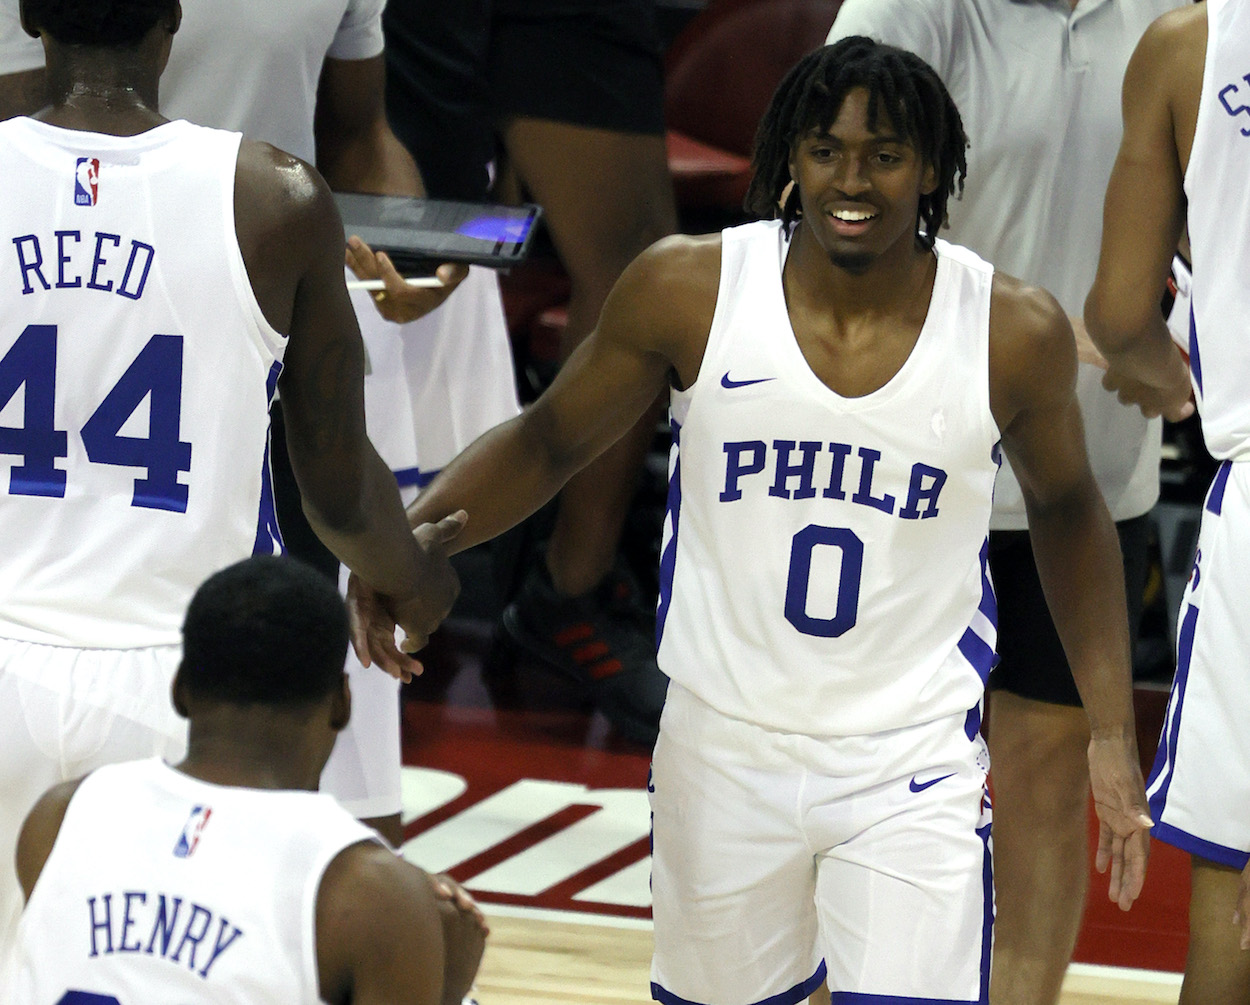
x: 155, y: 374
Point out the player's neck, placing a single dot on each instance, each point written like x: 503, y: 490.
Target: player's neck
x: 890, y: 284
x: 271, y: 758
x: 98, y: 90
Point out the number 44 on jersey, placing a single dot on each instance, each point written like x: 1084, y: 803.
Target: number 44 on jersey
x: 155, y: 375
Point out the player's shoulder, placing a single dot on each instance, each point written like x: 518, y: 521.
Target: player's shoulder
x: 1177, y: 34
x: 1020, y: 310
x: 278, y: 185
x: 372, y: 906
x: 675, y: 281
x: 39, y: 832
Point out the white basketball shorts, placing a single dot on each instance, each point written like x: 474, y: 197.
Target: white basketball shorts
x: 65, y: 712
x: 1199, y: 786
x: 783, y: 859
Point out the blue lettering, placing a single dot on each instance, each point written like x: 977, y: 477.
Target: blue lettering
x: 62, y: 259
x: 192, y: 936
x: 29, y: 267
x: 840, y: 452
x: 926, y: 486
x: 163, y: 927
x: 864, y: 495
x: 735, y: 469
x: 846, y: 613
x: 786, y: 470
x: 1234, y: 112
x: 101, y: 260
x: 220, y: 947
x: 105, y: 924
x: 128, y: 923
x: 135, y: 246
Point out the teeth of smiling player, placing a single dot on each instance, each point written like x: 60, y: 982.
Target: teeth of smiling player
x: 853, y: 215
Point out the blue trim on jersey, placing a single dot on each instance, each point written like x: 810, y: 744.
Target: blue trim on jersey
x: 972, y: 722
x: 407, y: 477
x: 989, y: 602
x: 1215, y: 495
x: 268, y: 533
x: 1195, y: 360
x: 853, y: 998
x: 668, y: 560
x: 1198, y: 846
x: 798, y: 993
x: 979, y: 653
x: 987, y: 924
x: 1165, y: 757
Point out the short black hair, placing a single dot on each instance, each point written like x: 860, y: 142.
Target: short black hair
x: 102, y: 23
x: 810, y: 97
x: 265, y: 630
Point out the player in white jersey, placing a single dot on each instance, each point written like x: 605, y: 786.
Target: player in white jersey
x: 839, y: 384
x: 1183, y: 161
x: 228, y: 878
x: 159, y: 280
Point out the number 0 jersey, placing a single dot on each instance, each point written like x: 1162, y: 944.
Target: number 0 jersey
x: 164, y: 888
x: 823, y: 569
x: 136, y: 370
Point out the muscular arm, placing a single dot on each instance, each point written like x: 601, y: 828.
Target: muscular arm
x: 356, y: 150
x: 292, y: 241
x: 38, y: 835
x: 656, y: 319
x: 383, y: 938
x: 1144, y: 213
x: 1033, y: 382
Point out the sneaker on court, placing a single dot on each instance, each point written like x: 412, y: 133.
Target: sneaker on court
x: 603, y: 639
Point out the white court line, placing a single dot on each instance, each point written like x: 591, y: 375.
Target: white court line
x: 564, y: 917
x: 1124, y: 975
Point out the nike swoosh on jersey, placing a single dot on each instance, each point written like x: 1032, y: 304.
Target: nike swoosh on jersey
x: 916, y: 786
x: 725, y: 381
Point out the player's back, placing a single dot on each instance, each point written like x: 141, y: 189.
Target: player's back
x: 1217, y: 185
x: 161, y: 887
x: 135, y: 374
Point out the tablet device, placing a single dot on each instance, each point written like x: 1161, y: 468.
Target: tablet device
x: 420, y: 234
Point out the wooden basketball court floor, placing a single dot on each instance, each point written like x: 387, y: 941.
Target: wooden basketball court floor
x: 518, y: 790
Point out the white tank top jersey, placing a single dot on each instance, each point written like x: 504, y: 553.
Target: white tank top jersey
x: 1216, y: 184
x: 823, y: 567
x: 163, y: 888
x: 136, y: 370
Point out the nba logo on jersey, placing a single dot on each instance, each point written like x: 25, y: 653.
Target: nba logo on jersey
x: 190, y: 836
x: 87, y: 181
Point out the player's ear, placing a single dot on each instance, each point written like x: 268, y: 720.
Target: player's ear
x: 929, y: 180
x: 177, y: 694
x: 175, y: 21
x: 341, y: 706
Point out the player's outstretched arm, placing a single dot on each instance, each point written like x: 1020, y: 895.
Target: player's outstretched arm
x: 654, y: 322
x: 1143, y: 217
x: 1033, y: 395
x: 384, y: 937
x: 292, y: 243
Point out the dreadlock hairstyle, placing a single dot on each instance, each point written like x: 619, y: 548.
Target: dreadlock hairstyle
x: 810, y: 97
x: 102, y: 23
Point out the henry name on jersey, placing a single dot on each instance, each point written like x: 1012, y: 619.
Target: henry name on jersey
x: 827, y: 468
x: 68, y: 259
x: 158, y: 924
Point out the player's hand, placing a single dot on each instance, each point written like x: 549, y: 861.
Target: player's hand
x: 1241, y: 915
x: 1123, y: 819
x: 373, y: 632
x: 400, y: 302
x: 448, y: 890
x: 418, y: 616
x: 1086, y: 351
x: 1172, y: 396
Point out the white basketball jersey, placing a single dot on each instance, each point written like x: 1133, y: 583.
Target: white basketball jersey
x: 163, y: 888
x: 1217, y: 185
x: 823, y: 569
x: 136, y: 370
